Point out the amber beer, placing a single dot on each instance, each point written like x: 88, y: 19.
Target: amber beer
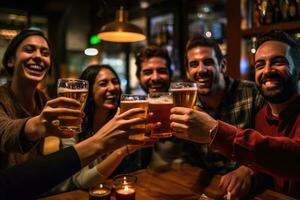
x: 76, y: 89
x: 129, y: 101
x: 184, y: 94
x: 160, y: 104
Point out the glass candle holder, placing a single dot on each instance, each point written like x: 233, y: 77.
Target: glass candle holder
x: 99, y: 192
x: 125, y: 187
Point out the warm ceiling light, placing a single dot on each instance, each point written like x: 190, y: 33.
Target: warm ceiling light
x: 121, y: 30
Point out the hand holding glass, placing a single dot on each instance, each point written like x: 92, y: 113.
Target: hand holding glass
x: 76, y: 89
x: 129, y: 101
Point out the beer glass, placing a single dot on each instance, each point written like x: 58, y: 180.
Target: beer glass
x: 129, y: 101
x: 76, y: 89
x: 160, y: 104
x: 184, y: 94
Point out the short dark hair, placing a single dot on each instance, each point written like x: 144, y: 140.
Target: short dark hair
x: 200, y: 41
x: 148, y: 52
x: 14, y: 44
x: 282, y: 36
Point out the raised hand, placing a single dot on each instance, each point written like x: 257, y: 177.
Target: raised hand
x: 191, y: 124
x: 47, y: 122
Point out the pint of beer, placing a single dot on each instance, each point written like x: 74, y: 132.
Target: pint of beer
x: 160, y: 104
x: 129, y: 101
x: 184, y: 94
x: 75, y: 89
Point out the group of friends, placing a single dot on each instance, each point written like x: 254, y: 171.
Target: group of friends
x: 252, y: 129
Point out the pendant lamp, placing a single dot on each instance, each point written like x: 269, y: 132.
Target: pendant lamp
x: 121, y: 30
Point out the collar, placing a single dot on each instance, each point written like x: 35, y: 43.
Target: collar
x: 291, y: 110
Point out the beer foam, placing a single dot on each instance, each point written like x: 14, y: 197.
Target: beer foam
x: 134, y: 101
x: 166, y: 100
x: 183, y: 89
x: 63, y: 90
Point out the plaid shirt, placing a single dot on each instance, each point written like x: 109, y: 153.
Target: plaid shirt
x: 239, y: 107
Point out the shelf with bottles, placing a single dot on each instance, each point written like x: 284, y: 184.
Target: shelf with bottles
x: 261, y: 16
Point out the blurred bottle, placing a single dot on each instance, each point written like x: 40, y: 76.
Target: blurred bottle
x: 256, y: 13
x: 266, y: 12
x: 276, y: 11
x: 293, y: 10
x: 284, y: 9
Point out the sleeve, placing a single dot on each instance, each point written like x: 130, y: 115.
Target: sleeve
x: 267, y: 154
x: 12, y: 134
x: 85, y: 178
x: 34, y: 177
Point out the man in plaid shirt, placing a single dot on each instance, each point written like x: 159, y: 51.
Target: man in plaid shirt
x: 224, y: 98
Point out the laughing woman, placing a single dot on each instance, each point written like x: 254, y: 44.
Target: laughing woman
x: 25, y: 114
x: 102, y: 103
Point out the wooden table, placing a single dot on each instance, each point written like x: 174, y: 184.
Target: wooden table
x: 181, y: 182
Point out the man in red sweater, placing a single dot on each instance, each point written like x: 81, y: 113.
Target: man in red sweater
x: 274, y: 146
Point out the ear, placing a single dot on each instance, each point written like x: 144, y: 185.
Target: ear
x: 223, y: 66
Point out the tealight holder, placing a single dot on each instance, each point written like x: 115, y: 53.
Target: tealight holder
x: 100, y: 192
x: 125, y: 187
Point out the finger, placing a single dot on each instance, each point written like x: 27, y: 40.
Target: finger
x: 232, y: 187
x: 178, y: 118
x: 63, y: 102
x: 180, y: 110
x: 196, y: 108
x: 136, y: 121
x: 70, y: 121
x: 151, y: 126
x: 178, y: 127
x: 223, y: 182
x: 54, y: 112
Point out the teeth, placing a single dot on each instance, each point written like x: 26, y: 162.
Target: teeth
x: 271, y: 83
x: 36, y: 67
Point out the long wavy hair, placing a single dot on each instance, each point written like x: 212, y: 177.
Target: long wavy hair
x: 90, y: 74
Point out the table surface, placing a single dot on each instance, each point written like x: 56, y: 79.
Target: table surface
x: 182, y: 182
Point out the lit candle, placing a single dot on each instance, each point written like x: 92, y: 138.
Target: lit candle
x: 125, y: 193
x: 99, y: 193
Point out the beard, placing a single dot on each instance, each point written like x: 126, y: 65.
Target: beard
x: 281, y: 94
x: 211, y: 87
x: 159, y: 86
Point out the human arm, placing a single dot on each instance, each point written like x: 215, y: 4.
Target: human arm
x: 21, y: 134
x: 249, y: 147
x: 45, y: 172
x: 105, y: 168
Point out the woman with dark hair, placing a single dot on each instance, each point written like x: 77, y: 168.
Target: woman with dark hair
x: 102, y: 103
x: 25, y: 114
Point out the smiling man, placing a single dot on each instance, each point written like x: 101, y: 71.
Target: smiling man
x: 224, y: 98
x: 153, y: 69
x: 274, y: 146
x: 154, y: 74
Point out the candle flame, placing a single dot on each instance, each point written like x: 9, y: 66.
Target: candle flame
x: 126, y: 188
x: 125, y: 180
x: 101, y: 186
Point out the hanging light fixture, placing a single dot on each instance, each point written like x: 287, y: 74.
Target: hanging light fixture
x: 121, y: 30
